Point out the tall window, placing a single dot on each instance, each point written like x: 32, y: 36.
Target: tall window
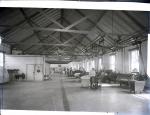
x: 1, y: 59
x: 0, y: 40
x: 84, y: 65
x: 92, y: 64
x: 78, y: 66
x: 112, y: 62
x: 88, y: 66
x: 134, y: 61
x: 100, y: 64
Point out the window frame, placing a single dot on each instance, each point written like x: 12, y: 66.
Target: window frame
x: 130, y: 66
x: 111, y: 63
x: 2, y: 64
x: 100, y: 66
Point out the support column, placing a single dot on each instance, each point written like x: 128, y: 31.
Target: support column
x: 147, y: 85
x: 148, y: 56
x: 148, y: 49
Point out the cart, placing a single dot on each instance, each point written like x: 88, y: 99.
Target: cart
x: 137, y: 86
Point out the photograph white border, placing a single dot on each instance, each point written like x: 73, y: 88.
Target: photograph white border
x: 130, y: 6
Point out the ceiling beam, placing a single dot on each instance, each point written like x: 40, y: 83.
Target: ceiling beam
x: 30, y: 24
x: 37, y: 32
x: 47, y: 54
x: 42, y: 39
x: 54, y: 48
x: 60, y: 25
x: 121, y: 17
x: 52, y: 20
x: 33, y: 33
x: 76, y: 47
x: 18, y: 24
x: 132, y: 37
x: 77, y: 22
x: 5, y: 26
x: 95, y: 24
x: 56, y: 39
x: 134, y: 20
x: 77, y: 29
x: 40, y: 44
x: 72, y: 38
x: 60, y: 30
x: 56, y: 30
x: 66, y: 21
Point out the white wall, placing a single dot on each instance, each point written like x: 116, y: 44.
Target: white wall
x: 47, y: 68
x: 21, y: 61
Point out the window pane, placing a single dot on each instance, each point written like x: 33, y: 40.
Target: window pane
x: 1, y: 59
x: 134, y: 61
x: 112, y: 62
x: 100, y: 63
x: 92, y: 64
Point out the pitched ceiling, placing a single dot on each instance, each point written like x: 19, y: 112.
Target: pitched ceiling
x: 71, y: 32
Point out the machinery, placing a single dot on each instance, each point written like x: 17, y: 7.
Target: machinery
x: 94, y: 82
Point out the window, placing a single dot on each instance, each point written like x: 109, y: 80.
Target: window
x: 134, y: 61
x: 148, y: 58
x: 92, y: 64
x: 1, y: 59
x: 78, y: 66
x: 100, y: 63
x: 84, y: 65
x: 88, y: 66
x: 112, y: 62
x: 0, y: 40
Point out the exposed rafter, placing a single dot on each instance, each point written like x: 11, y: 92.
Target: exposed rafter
x: 59, y: 30
x: 134, y: 20
x: 31, y: 25
x: 49, y: 31
x: 39, y: 41
x: 49, y: 18
x: 77, y: 22
x: 17, y: 25
x: 50, y: 36
x: 94, y: 24
x: 41, y: 44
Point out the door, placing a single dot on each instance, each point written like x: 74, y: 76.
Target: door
x: 30, y: 72
x: 39, y: 72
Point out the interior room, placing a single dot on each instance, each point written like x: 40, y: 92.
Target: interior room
x: 74, y: 60
x: 140, y: 1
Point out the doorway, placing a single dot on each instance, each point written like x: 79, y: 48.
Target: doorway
x: 30, y: 72
x: 34, y: 71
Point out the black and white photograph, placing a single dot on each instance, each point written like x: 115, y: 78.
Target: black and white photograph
x: 135, y: 1
x: 78, y: 60
x: 138, y: 1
